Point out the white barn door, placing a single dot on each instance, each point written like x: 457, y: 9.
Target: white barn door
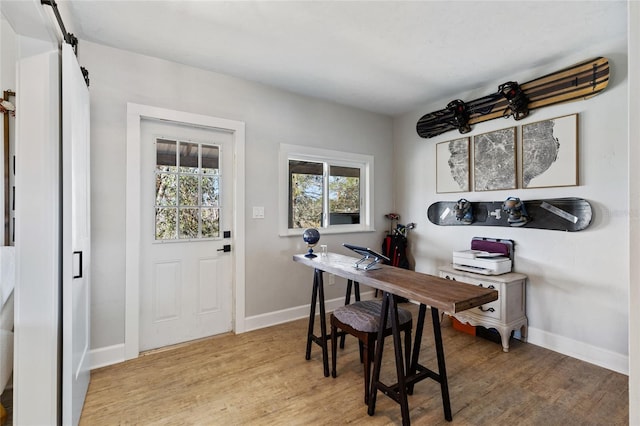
x: 76, y: 241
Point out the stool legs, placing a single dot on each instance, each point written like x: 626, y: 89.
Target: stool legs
x: 334, y: 349
x: 368, y: 345
x: 368, y: 359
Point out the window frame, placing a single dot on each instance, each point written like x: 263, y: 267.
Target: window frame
x: 327, y: 158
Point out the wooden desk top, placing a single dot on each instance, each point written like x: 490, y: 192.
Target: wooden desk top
x: 446, y: 295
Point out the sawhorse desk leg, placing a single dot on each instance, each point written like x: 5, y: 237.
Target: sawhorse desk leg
x: 347, y: 301
x: 415, y: 372
x: 418, y: 371
x: 317, y: 296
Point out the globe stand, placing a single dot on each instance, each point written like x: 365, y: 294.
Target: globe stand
x: 310, y: 253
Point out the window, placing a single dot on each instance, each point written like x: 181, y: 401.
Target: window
x: 187, y: 189
x: 324, y: 189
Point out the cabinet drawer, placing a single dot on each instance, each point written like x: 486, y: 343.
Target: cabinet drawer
x: 491, y: 310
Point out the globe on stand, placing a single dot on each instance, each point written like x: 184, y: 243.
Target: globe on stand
x: 311, y: 236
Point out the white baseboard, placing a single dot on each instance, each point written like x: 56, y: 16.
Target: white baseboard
x: 579, y: 350
x: 278, y: 317
x: 109, y: 355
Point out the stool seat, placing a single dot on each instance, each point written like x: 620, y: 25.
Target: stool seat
x: 365, y: 315
x: 362, y: 320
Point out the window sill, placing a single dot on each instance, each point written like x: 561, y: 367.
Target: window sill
x: 327, y: 231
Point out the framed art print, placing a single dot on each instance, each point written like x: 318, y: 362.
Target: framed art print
x: 452, y: 166
x: 550, y: 153
x: 494, y: 160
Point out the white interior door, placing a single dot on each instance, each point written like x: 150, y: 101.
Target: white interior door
x: 76, y: 238
x: 186, y: 276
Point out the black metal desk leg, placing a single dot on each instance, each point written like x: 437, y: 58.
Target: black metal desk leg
x: 347, y: 296
x: 323, y: 324
x: 375, y: 379
x: 318, y: 293
x: 347, y: 300
x: 399, y: 391
x: 312, y: 316
x: 442, y: 371
x: 356, y: 290
x: 400, y: 367
x: 416, y: 345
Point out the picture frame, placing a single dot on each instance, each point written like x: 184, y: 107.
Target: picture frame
x: 452, y: 166
x: 550, y: 153
x: 494, y: 160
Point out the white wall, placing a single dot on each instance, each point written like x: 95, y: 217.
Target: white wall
x: 578, y: 287
x: 273, y: 281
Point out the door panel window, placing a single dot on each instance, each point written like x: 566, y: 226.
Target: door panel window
x: 187, y: 190
x: 210, y: 190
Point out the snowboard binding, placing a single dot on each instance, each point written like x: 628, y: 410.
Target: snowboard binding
x: 516, y: 210
x: 518, y: 101
x: 460, y: 115
x: 464, y: 211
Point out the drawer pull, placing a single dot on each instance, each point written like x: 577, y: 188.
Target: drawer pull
x: 491, y: 286
x: 486, y: 310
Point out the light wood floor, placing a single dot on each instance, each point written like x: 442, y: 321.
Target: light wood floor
x: 262, y: 378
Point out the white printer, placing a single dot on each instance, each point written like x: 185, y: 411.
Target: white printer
x: 487, y: 256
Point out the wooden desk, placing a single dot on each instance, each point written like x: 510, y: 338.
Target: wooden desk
x: 428, y: 290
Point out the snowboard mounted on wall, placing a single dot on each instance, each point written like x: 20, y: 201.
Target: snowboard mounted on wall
x: 558, y: 214
x: 580, y: 81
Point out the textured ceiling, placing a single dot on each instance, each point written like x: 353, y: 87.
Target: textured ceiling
x: 383, y: 56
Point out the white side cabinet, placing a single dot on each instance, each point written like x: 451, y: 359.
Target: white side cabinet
x: 505, y: 314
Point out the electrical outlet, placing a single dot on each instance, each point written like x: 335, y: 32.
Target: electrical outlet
x: 332, y: 279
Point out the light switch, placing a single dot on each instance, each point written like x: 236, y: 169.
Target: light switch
x: 258, y: 212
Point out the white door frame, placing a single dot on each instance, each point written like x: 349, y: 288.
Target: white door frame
x: 136, y: 112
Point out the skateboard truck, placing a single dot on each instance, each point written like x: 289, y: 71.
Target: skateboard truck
x: 518, y: 101
x: 460, y: 115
